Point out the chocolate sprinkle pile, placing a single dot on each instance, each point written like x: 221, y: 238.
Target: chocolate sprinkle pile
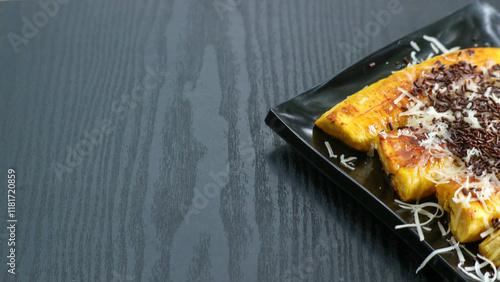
x: 462, y: 102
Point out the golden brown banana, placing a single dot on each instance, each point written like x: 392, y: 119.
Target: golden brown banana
x: 467, y: 223
x: 407, y: 163
x: 490, y: 247
x: 361, y: 117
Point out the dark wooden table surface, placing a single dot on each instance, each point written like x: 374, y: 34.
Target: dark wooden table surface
x: 136, y: 133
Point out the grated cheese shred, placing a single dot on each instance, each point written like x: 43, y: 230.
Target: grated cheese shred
x: 330, y: 151
x: 347, y: 162
x: 417, y: 210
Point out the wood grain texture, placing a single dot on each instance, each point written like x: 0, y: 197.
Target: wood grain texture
x: 184, y: 181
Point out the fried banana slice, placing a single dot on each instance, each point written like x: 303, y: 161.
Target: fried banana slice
x: 490, y: 247
x: 361, y: 117
x: 407, y: 163
x: 467, y: 222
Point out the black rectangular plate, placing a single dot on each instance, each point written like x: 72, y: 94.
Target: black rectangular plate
x: 294, y: 122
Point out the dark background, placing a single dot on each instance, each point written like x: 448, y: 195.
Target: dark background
x: 127, y: 176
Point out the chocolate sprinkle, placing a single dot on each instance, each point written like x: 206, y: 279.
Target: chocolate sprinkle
x: 496, y: 222
x: 465, y: 191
